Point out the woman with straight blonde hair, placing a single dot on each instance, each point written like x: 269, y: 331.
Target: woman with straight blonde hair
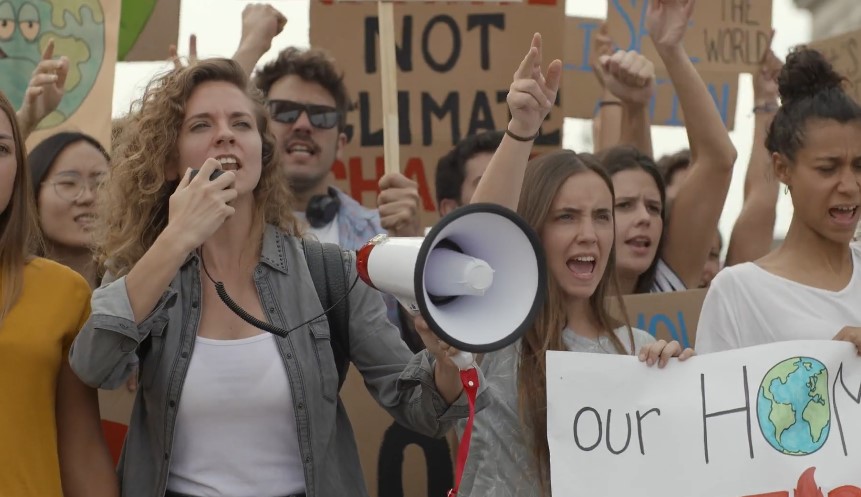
x: 51, y: 442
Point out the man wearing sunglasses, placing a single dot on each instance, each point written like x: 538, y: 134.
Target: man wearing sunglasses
x: 308, y: 103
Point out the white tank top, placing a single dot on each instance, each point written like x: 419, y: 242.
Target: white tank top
x: 235, y: 429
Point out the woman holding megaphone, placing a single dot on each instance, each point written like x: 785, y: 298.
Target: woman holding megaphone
x: 223, y: 407
x: 568, y: 199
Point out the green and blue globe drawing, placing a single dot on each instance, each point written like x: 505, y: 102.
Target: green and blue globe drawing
x: 793, y: 407
x: 78, y: 30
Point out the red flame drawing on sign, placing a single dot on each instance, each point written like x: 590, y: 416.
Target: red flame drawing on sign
x: 807, y: 487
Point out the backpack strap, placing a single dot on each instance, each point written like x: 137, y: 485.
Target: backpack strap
x: 327, y: 268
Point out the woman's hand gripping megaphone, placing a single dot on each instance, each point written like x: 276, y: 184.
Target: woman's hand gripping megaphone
x: 444, y: 353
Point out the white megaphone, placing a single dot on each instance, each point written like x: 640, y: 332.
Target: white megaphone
x: 478, y: 278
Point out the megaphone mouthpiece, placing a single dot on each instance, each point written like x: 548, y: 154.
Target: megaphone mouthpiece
x: 451, y: 274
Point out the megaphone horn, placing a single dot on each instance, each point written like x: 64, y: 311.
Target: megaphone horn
x: 478, y: 278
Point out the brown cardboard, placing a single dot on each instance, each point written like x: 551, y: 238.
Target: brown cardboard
x: 844, y: 52
x: 160, y: 31
x: 725, y: 35
x: 462, y: 63
x: 667, y: 316
x: 581, y: 91
x: 93, y: 116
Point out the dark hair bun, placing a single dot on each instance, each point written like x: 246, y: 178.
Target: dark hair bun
x: 805, y: 74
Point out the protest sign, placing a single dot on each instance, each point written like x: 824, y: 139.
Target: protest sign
x: 844, y: 52
x: 85, y: 31
x: 455, y: 64
x: 724, y: 35
x: 147, y: 28
x: 581, y: 91
x: 667, y: 316
x: 773, y: 420
x: 115, y: 407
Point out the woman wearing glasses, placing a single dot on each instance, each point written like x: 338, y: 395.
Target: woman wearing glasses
x: 67, y: 169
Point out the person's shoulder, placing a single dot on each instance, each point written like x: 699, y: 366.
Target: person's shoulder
x: 641, y: 337
x: 737, y: 275
x: 53, y: 278
x: 352, y: 208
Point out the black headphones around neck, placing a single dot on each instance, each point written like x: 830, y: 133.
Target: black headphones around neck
x: 322, y: 209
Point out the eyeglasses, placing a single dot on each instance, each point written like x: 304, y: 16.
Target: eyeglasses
x: 288, y: 112
x: 70, y: 186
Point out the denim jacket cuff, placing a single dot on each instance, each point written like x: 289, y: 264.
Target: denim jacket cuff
x: 112, y: 311
x: 420, y: 371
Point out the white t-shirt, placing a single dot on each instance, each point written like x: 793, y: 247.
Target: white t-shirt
x: 746, y: 305
x: 325, y: 234
x: 235, y: 428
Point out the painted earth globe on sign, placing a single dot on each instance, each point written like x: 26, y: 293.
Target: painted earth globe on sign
x: 793, y: 407
x: 78, y: 30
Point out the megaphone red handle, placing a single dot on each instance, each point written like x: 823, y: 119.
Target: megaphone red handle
x: 469, y: 379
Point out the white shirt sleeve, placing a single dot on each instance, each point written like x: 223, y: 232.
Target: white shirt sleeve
x: 718, y: 329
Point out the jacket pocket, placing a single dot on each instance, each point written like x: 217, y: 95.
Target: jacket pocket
x: 328, y: 373
x: 150, y: 352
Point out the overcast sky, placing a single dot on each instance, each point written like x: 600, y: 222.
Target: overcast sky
x: 221, y: 38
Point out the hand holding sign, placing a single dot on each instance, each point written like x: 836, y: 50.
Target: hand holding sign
x: 667, y: 21
x: 629, y: 76
x: 532, y: 93
x: 850, y: 334
x: 660, y: 352
x: 398, y: 205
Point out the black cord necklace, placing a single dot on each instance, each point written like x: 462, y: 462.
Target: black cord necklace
x: 253, y: 321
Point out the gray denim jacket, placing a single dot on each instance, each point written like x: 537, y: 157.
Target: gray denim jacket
x: 110, y: 343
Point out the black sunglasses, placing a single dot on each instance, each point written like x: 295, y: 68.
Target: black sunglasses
x: 288, y: 112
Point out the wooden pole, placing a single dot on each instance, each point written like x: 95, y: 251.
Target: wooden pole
x: 389, y: 77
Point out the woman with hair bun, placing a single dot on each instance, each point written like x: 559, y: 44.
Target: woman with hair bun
x: 810, y: 287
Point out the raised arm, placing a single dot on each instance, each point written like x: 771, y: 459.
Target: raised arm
x: 630, y: 77
x: 753, y: 232
x: 261, y: 23
x: 530, y: 99
x: 697, y: 208
x: 607, y: 123
x: 45, y: 91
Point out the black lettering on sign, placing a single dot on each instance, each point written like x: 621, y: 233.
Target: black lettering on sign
x: 449, y: 107
x: 449, y: 63
x: 627, y: 437
x: 368, y: 138
x: 481, y: 117
x: 485, y: 21
x: 743, y: 409
x: 640, y: 418
x: 855, y: 398
x: 739, y: 12
x: 403, y: 52
x: 440, y: 477
x: 577, y: 428
x: 735, y: 45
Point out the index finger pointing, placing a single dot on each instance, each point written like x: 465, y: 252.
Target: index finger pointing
x: 48, y: 54
x: 525, y: 69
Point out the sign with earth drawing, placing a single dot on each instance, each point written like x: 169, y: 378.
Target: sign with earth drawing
x: 84, y: 31
x: 775, y: 420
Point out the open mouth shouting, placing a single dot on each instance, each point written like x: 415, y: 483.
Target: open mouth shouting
x: 844, y: 215
x: 582, y: 266
x: 640, y: 244
x: 229, y: 162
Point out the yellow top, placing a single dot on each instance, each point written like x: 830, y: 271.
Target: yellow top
x: 34, y: 338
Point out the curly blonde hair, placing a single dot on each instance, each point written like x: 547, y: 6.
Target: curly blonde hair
x: 133, y: 203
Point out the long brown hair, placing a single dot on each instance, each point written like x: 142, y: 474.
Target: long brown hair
x: 19, y: 227
x: 134, y: 201
x: 544, y: 177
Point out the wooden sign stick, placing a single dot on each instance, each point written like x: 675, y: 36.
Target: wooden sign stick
x: 389, y: 75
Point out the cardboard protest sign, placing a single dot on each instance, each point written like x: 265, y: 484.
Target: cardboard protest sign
x: 724, y: 35
x: 147, y: 28
x: 581, y: 91
x: 666, y: 316
x: 844, y: 52
x: 774, y: 420
x: 115, y: 407
x: 455, y: 64
x: 85, y: 31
